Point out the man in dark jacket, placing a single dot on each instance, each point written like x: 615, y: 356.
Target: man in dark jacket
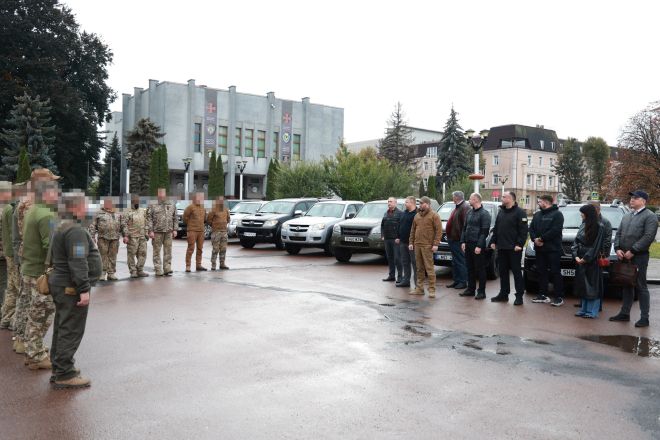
x: 546, y: 233
x: 509, y: 236
x: 389, y: 232
x: 454, y: 229
x: 473, y: 244
x: 76, y: 265
x: 633, y: 239
x: 407, y: 256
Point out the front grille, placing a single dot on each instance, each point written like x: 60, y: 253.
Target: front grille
x: 297, y: 238
x: 355, y: 232
x: 566, y: 248
x: 354, y: 244
x: 253, y: 223
x: 298, y: 228
x: 444, y: 237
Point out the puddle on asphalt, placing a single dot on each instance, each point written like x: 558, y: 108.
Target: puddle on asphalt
x: 387, y: 305
x: 639, y: 345
x: 416, y: 331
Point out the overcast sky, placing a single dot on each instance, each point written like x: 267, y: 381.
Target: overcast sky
x: 581, y: 68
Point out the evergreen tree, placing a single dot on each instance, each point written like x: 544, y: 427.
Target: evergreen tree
x: 29, y: 127
x: 141, y: 143
x: 571, y: 170
x: 421, y: 188
x: 431, y: 191
x: 395, y: 146
x: 212, y: 176
x: 453, y: 155
x: 271, y: 178
x: 154, y: 172
x: 24, y: 171
x: 112, y: 151
x: 220, y: 177
x: 164, y: 170
x: 596, y: 156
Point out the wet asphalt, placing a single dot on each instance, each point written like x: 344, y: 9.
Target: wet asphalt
x: 304, y: 347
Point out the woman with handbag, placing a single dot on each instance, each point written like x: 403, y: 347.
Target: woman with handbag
x: 586, y: 251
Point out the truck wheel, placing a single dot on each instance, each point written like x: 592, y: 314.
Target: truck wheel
x: 292, y: 249
x: 328, y: 250
x: 279, y: 244
x: 492, y: 269
x: 343, y: 255
x: 247, y: 244
x: 530, y: 286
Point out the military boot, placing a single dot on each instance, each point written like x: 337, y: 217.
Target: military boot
x: 19, y: 347
x: 134, y: 275
x: 431, y: 293
x: 112, y: 277
x: 416, y: 291
x: 74, y: 382
x: 142, y: 274
x: 43, y: 364
x: 104, y: 277
x: 223, y: 265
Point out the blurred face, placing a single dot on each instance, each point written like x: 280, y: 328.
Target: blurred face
x: 584, y: 217
x: 637, y: 202
x: 5, y: 196
x: 456, y: 199
x: 410, y: 205
x: 544, y: 204
x: 107, y: 204
x: 391, y: 203
x: 135, y: 201
x: 199, y: 198
x: 507, y: 200
x: 221, y: 201
x: 162, y: 194
x: 79, y: 209
x: 424, y: 207
x: 51, y: 196
x: 474, y: 201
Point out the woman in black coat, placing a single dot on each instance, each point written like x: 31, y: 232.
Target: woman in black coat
x: 586, y: 249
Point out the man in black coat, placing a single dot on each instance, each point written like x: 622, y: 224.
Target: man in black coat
x: 473, y: 243
x: 389, y: 230
x: 407, y: 256
x: 509, y: 236
x: 546, y: 233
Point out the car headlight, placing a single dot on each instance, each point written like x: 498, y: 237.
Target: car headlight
x: 336, y: 229
x: 239, y: 222
x: 270, y: 223
x: 285, y: 227
x: 375, y: 231
x: 233, y: 222
x: 318, y: 227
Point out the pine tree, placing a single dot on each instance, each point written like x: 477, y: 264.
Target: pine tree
x: 571, y: 169
x: 154, y: 172
x: 421, y: 188
x: 24, y: 172
x: 220, y: 177
x: 395, y: 146
x: 141, y: 143
x: 213, y: 185
x: 164, y: 170
x: 453, y: 155
x: 271, y: 178
x: 431, y: 190
x: 112, y: 152
x: 29, y: 127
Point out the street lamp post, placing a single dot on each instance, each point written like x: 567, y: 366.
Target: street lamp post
x: 483, y: 135
x: 240, y: 166
x: 128, y: 173
x: 110, y: 189
x: 503, y: 180
x: 186, y: 166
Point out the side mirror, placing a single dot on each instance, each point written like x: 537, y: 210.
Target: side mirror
x: 350, y: 215
x: 297, y: 213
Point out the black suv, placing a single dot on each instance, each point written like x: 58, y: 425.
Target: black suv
x: 442, y: 257
x: 572, y: 222
x: 265, y: 225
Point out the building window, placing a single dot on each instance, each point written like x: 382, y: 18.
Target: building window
x: 197, y: 138
x: 295, y: 153
x: 249, y: 142
x: 542, y: 145
x: 496, y: 160
x: 261, y: 143
x: 276, y: 144
x: 426, y: 166
x: 432, y: 152
x: 222, y: 139
x: 237, y: 142
x: 527, y: 200
x: 551, y: 182
x: 539, y: 181
x: 529, y: 160
x: 552, y: 162
x: 541, y: 161
x: 529, y: 180
x: 552, y: 146
x: 496, y: 199
x: 496, y: 179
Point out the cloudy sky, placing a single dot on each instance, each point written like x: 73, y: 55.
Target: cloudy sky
x: 581, y: 68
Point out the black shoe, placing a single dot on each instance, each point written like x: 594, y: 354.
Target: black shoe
x: 460, y: 286
x: 452, y: 285
x: 389, y: 279
x: 405, y: 284
x: 557, y: 302
x: 467, y: 292
x: 480, y: 295
x: 518, y: 301
x: 621, y: 317
x: 643, y: 322
x: 500, y: 298
x: 541, y: 299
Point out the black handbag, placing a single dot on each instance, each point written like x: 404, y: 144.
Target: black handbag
x: 623, y: 274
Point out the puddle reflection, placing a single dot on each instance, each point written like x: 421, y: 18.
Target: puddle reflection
x: 639, y: 345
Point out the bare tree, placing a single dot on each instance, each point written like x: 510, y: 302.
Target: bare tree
x: 642, y: 136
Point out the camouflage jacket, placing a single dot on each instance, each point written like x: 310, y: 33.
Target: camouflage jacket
x: 21, y: 210
x: 106, y: 224
x: 134, y: 223
x: 162, y: 217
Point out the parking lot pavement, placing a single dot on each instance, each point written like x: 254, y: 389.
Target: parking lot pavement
x: 305, y: 347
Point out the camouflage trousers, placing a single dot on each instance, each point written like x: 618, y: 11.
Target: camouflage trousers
x: 219, y: 243
x: 40, y: 316
x: 108, y: 250
x: 136, y: 249
x: 11, y: 295
x: 22, y: 308
x: 3, y: 278
x: 162, y: 240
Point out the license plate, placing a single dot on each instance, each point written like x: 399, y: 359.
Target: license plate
x: 568, y: 272
x: 249, y: 234
x: 444, y: 257
x: 354, y: 239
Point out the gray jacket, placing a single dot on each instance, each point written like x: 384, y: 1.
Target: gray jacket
x: 636, y: 232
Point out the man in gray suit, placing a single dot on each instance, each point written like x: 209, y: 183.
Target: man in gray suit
x: 632, y: 242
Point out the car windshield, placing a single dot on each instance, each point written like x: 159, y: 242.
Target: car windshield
x: 277, y: 207
x: 326, y: 210
x: 372, y: 210
x: 445, y: 211
x: 573, y: 219
x: 183, y: 204
x: 246, y: 208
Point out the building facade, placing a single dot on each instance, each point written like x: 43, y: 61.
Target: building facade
x: 240, y: 127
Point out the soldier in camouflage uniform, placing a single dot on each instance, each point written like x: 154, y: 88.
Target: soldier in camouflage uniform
x: 13, y: 285
x: 218, y: 218
x: 24, y: 297
x: 161, y: 227
x: 107, y: 225
x: 5, y: 197
x: 134, y: 230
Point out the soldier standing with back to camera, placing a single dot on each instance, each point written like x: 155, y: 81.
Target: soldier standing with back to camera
x: 161, y: 227
x: 13, y: 275
x: 134, y: 231
x: 106, y: 225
